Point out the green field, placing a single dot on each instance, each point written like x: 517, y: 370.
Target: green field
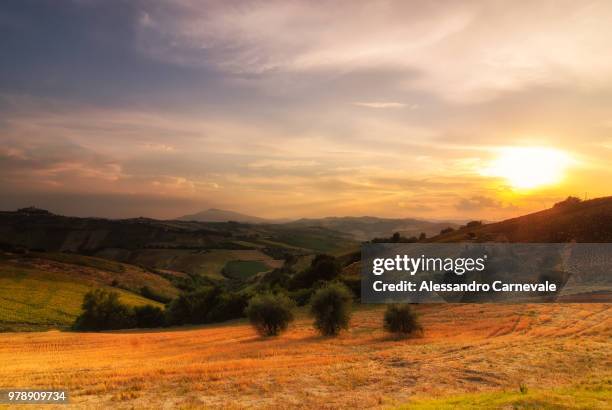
x: 34, y: 299
x: 241, y: 270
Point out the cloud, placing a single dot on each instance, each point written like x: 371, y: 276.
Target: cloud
x: 482, y: 203
x: 280, y: 164
x: 465, y: 51
x: 380, y: 104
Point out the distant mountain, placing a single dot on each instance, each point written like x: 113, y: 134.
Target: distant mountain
x: 220, y: 215
x: 369, y: 227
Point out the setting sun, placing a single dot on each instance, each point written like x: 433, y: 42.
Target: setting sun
x: 529, y: 167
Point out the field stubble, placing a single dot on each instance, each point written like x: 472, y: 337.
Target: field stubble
x: 465, y: 349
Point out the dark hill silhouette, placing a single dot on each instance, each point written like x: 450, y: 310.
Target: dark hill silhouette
x: 369, y: 227
x: 567, y: 221
x: 220, y: 215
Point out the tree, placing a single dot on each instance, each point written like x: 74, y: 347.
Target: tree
x: 446, y: 230
x: 270, y: 314
x: 322, y: 268
x: 331, y: 308
x: 148, y: 316
x: 401, y: 319
x: 422, y: 236
x: 569, y: 202
x: 102, y: 310
x: 205, y: 305
x: 473, y: 224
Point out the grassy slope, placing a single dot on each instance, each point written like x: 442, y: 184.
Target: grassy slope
x: 484, y: 351
x: 589, y: 221
x: 200, y: 262
x: 34, y: 296
x: 101, y: 271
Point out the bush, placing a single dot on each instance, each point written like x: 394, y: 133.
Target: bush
x: 401, y: 319
x: 569, y: 202
x: 149, y: 293
x: 353, y: 284
x: 206, y: 305
x: 270, y: 314
x: 148, y: 316
x: 331, y: 308
x: 102, y: 310
x: 301, y: 296
x: 227, y: 306
x: 322, y: 268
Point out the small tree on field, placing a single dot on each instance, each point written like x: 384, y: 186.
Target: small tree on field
x: 331, y: 308
x: 270, y: 314
x: 401, y: 319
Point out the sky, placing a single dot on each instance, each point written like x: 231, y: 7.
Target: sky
x: 288, y: 109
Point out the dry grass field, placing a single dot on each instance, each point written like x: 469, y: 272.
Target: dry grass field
x: 469, y: 355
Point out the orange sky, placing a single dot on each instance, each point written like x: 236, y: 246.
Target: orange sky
x: 291, y: 109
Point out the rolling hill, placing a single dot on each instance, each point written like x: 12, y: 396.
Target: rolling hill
x: 220, y: 215
x: 45, y: 290
x: 368, y: 227
x: 48, y: 262
x: 125, y: 238
x: 567, y: 221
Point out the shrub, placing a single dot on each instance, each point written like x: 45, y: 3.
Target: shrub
x: 331, y: 308
x: 569, y: 202
x: 149, y: 293
x: 148, y: 316
x: 102, y: 310
x: 227, y: 306
x: 401, y: 319
x: 353, y: 284
x: 322, y: 268
x: 206, y: 305
x: 270, y: 314
x: 301, y: 296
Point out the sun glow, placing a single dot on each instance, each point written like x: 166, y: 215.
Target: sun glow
x: 529, y: 167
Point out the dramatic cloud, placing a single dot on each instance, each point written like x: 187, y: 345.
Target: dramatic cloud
x: 463, y: 50
x: 298, y: 108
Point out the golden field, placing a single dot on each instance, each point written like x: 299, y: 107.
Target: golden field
x: 468, y: 355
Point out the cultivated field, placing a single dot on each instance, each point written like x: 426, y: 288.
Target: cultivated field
x: 469, y: 355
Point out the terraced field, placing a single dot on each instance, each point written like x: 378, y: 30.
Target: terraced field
x: 468, y: 355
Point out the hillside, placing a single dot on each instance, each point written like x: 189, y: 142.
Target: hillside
x: 185, y: 246
x: 49, y: 261
x: 220, y: 215
x: 46, y: 290
x: 580, y: 221
x: 368, y: 227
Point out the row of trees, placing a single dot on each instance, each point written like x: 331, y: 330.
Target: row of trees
x: 330, y: 307
x: 102, y: 310
x: 269, y: 313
